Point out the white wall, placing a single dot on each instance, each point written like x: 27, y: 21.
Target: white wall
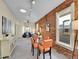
x: 31, y: 26
x: 19, y: 30
x: 4, y: 11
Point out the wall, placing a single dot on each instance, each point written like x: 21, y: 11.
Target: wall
x: 4, y: 11
x: 51, y: 19
x: 31, y: 26
x: 76, y: 9
x: 19, y: 30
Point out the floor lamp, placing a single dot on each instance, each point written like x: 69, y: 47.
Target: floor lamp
x: 75, y: 24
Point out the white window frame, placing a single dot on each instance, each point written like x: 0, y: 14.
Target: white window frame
x: 69, y: 9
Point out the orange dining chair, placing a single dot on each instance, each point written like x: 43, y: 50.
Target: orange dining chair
x: 45, y: 47
x: 34, y: 41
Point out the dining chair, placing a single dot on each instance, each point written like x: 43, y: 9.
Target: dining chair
x: 34, y: 42
x: 45, y: 47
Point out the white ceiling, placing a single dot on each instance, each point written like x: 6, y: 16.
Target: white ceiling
x: 41, y: 8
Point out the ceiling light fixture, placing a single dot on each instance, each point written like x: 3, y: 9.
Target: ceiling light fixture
x: 23, y: 10
x: 33, y: 2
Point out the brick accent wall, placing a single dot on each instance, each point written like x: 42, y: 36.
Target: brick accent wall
x: 51, y: 19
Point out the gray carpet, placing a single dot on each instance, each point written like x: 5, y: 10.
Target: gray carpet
x: 23, y: 51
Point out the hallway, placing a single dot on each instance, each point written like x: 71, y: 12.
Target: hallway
x: 53, y: 23
x: 23, y: 51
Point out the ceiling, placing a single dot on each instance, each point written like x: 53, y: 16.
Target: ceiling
x: 34, y: 12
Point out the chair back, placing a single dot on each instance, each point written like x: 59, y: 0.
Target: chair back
x: 35, y: 37
x: 48, y: 43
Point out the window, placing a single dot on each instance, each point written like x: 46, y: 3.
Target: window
x: 64, y: 33
x: 65, y: 28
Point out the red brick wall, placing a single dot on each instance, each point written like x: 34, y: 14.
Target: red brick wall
x: 51, y: 18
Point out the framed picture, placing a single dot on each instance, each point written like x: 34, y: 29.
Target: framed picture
x: 4, y: 25
x: 47, y: 27
x: 9, y: 25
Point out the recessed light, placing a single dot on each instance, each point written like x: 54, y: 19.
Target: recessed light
x: 23, y: 10
x: 33, y: 2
